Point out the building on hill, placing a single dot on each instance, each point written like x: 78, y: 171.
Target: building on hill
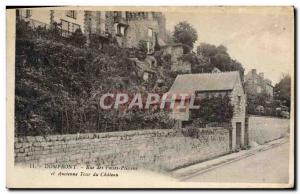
x: 144, y: 26
x: 69, y: 20
x: 176, y: 53
x: 128, y: 28
x: 256, y: 84
x: 214, y: 84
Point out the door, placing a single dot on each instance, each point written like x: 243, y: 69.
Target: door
x: 246, y: 136
x: 238, y: 135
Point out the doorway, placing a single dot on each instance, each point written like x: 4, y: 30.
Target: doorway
x: 238, y: 135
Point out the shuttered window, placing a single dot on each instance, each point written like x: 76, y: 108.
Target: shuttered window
x: 71, y: 14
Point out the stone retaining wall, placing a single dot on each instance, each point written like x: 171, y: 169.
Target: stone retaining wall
x: 164, y: 149
x: 263, y: 129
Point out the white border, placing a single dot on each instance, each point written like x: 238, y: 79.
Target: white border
x: 3, y: 4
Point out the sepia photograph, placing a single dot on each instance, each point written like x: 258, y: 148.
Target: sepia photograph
x: 150, y: 97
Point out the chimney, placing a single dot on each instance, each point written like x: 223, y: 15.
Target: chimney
x: 261, y: 75
x: 253, y: 71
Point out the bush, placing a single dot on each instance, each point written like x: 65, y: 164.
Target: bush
x: 54, y: 32
x: 77, y: 38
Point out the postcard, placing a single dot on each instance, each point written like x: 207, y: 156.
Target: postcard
x: 150, y: 97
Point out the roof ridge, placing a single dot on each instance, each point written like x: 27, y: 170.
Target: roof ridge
x: 223, y: 72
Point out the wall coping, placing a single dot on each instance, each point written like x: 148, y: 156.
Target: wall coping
x: 66, y: 137
x: 263, y: 116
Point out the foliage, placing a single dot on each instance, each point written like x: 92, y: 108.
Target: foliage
x: 185, y: 33
x: 259, y: 105
x: 218, y: 57
x: 191, y: 58
x: 214, y: 109
x: 58, y: 88
x: 77, y: 38
x: 142, y: 48
x: 54, y: 32
x: 23, y: 29
x: 282, y: 90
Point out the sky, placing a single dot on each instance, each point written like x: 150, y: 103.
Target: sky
x: 260, y: 38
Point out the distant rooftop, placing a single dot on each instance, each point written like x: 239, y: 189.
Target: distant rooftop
x: 259, y: 75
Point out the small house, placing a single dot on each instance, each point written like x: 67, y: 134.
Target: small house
x: 214, y: 84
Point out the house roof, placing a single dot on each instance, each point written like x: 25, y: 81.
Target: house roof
x: 190, y: 83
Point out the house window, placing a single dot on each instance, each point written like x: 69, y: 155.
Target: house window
x: 150, y: 33
x: 71, y: 14
x: 120, y: 30
x: 239, y: 100
x: 28, y: 13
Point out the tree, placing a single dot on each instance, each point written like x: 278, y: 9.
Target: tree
x: 185, y: 33
x: 207, y: 50
x: 282, y: 90
x: 218, y: 57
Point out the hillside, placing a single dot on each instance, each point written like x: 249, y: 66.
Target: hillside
x: 58, y: 88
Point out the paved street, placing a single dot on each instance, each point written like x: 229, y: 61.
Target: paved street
x: 270, y: 166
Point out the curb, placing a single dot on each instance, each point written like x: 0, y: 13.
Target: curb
x: 186, y: 175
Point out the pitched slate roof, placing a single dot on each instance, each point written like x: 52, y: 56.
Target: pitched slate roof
x: 190, y: 83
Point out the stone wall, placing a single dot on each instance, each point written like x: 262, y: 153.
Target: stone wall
x: 138, y: 30
x: 263, y: 129
x: 176, y: 53
x: 163, y: 149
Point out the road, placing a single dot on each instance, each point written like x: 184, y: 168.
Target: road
x: 269, y: 166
